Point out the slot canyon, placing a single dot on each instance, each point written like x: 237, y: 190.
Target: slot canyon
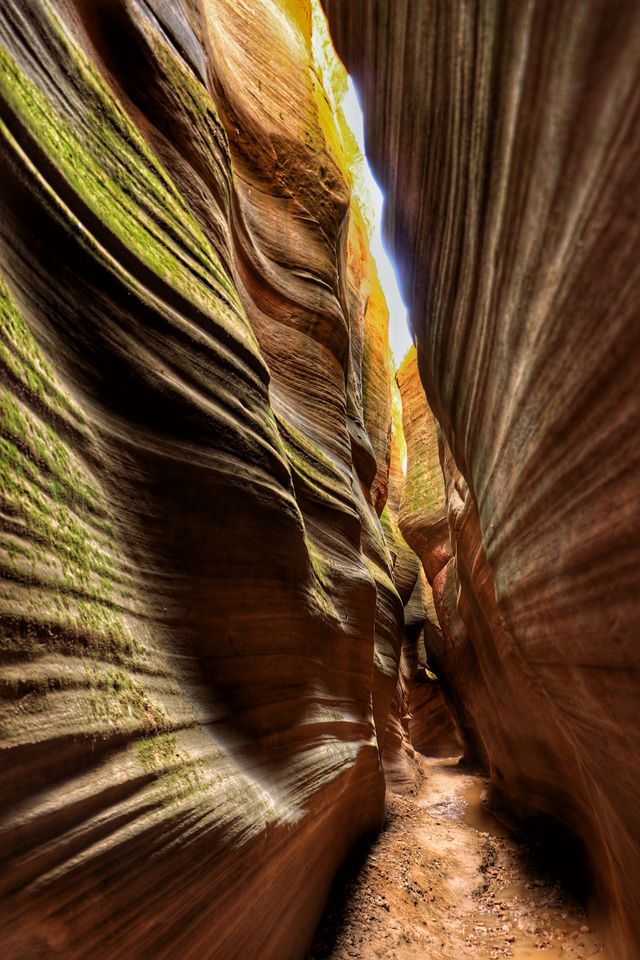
x: 310, y: 648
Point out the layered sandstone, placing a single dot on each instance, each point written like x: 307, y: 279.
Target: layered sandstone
x: 422, y: 520
x: 200, y: 630
x: 432, y: 728
x: 398, y: 753
x: 420, y: 718
x: 507, y: 137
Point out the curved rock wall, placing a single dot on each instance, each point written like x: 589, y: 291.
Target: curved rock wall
x: 422, y: 518
x: 432, y: 727
x: 398, y: 754
x: 200, y: 632
x: 507, y: 137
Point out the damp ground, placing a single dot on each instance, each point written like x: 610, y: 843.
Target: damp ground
x: 447, y: 880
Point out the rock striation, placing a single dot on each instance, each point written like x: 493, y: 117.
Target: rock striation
x: 398, y: 754
x: 217, y: 641
x: 420, y: 717
x: 506, y: 137
x: 200, y: 628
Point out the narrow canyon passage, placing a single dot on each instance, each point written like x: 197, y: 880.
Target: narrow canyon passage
x: 278, y: 523
x: 447, y: 880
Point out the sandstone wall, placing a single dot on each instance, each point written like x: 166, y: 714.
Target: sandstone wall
x: 507, y: 138
x: 200, y: 632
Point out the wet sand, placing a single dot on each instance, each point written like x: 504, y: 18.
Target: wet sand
x: 447, y: 880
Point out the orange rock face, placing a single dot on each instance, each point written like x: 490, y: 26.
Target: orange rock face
x: 200, y: 630
x: 423, y: 509
x: 506, y: 137
x: 432, y: 728
x: 423, y: 523
x: 420, y: 718
x: 398, y: 753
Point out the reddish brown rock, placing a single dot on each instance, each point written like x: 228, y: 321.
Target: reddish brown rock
x: 506, y: 137
x: 419, y: 717
x: 423, y: 510
x: 200, y: 633
x: 423, y: 523
x: 376, y: 386
x: 432, y: 728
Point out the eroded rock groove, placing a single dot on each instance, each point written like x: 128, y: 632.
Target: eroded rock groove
x: 249, y: 569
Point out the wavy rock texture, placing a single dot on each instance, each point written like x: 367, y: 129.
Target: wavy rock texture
x: 422, y: 520
x: 200, y: 631
x: 432, y: 727
x: 377, y: 381
x: 398, y: 754
x: 420, y: 718
x: 507, y: 138
x: 383, y: 422
x: 422, y: 513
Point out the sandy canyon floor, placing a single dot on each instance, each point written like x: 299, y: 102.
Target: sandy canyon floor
x: 446, y: 880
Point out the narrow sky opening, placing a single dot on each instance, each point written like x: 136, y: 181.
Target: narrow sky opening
x: 399, y: 335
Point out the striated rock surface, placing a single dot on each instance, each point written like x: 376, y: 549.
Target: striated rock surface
x: 377, y: 372
x: 507, y: 139
x: 419, y: 718
x: 398, y: 754
x: 422, y: 519
x: 432, y: 727
x: 423, y: 511
x: 200, y: 631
